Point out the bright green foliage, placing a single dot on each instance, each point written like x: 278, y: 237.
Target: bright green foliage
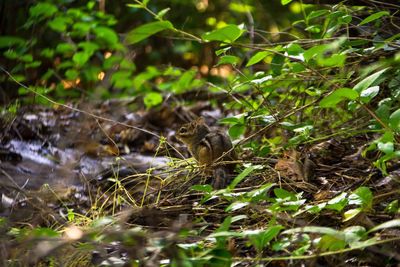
x: 374, y: 17
x: 226, y: 34
x: 318, y: 54
x: 260, y: 239
x: 43, y: 10
x: 146, y: 30
x: 385, y: 225
x: 242, y: 175
x: 91, y: 38
x: 9, y: 41
x: 257, y: 58
x: 285, y: 2
x: 394, y: 121
x: 336, y: 240
x: 361, y: 197
x: 232, y: 60
x: 393, y: 207
x: 237, y: 125
x: 152, y: 99
x: 338, y: 96
x: 368, y: 81
x: 331, y: 243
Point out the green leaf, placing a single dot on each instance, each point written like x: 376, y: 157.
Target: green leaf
x: 43, y: 10
x: 368, y: 81
x: 89, y: 47
x: 66, y: 64
x: 232, y: 60
x: 185, y: 81
x: 202, y: 188
x: 385, y: 225
x: 47, y: 75
x: 260, y: 79
x: 152, y: 99
x: 346, y: 19
x: 135, y: 5
x: 59, y: 24
x: 81, y: 28
x: 141, y: 79
x: 236, y: 206
x: 374, y: 17
x: 369, y: 93
x: 223, y: 50
x: 336, y: 60
x: 393, y: 207
x: 257, y: 58
x: 260, y: 239
x: 146, y: 30
x: 313, y: 209
x: 294, y: 49
x: 260, y: 193
x: 315, y: 230
x: 362, y: 196
x: 383, y: 111
x: 285, y: 2
x: 162, y: 13
x: 384, y: 144
x: 106, y: 34
x: 122, y: 79
x: 81, y: 58
x: 338, y: 203
x: 331, y: 243
x: 65, y: 48
x: 386, y: 147
x: 338, y: 96
x: 297, y: 67
x: 394, y: 121
x: 112, y: 61
x: 224, y: 225
x: 241, y: 176
x: 33, y: 64
x: 393, y: 37
x: 225, y: 234
x: 8, y: 41
x: 227, y: 34
x: 236, y: 130
x: 233, y: 120
x: 317, y: 13
x: 47, y: 53
x: 91, y: 72
x: 284, y: 194
x: 277, y: 63
x: 354, y: 234
x: 26, y: 58
x: 71, y: 215
x: 71, y: 74
x: 240, y: 7
x: 314, y: 28
x: 315, y: 51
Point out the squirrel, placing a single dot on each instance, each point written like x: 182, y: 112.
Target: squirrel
x: 209, y: 147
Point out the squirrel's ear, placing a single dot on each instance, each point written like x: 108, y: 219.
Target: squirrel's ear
x: 200, y: 120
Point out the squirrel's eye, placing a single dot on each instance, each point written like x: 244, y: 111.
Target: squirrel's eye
x: 182, y: 130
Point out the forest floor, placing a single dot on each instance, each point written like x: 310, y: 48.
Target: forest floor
x: 62, y: 166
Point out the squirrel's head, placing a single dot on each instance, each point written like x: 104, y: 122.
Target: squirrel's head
x: 193, y: 130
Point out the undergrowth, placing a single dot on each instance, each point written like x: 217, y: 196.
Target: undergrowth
x: 313, y: 112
